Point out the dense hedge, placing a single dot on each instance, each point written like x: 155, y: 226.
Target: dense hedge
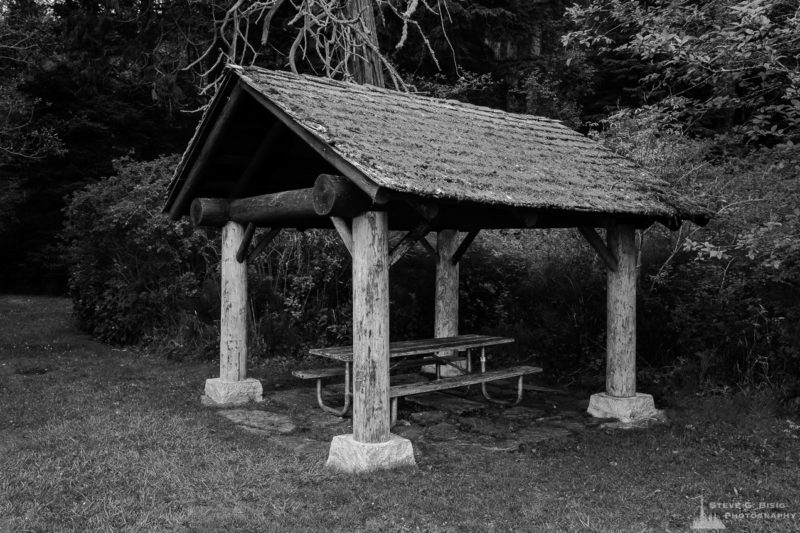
x: 717, y: 306
x: 132, y: 271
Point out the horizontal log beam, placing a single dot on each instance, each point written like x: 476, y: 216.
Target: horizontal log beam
x: 209, y: 212
x: 270, y: 208
x: 331, y: 196
x: 265, y: 209
x: 337, y: 196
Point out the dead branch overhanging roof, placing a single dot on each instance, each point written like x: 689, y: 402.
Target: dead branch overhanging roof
x: 451, y: 151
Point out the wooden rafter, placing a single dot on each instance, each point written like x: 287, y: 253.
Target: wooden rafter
x: 379, y: 195
x: 264, y: 151
x: 221, y: 125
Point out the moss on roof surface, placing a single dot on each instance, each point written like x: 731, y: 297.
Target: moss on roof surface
x: 448, y: 150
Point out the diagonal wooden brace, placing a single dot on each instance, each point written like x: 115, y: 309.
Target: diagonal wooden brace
x: 408, y: 241
x: 344, y: 231
x: 600, y: 247
x: 263, y: 243
x: 462, y: 248
x: 241, y: 253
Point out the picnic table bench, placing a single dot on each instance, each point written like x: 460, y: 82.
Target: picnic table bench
x: 416, y: 353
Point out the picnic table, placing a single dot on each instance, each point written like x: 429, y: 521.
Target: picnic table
x: 417, y: 353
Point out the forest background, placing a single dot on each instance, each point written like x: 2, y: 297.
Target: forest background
x: 99, y: 97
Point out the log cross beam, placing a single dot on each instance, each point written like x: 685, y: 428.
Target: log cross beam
x: 462, y: 248
x: 241, y: 253
x: 331, y: 196
x: 408, y: 241
x: 606, y: 255
x: 263, y: 243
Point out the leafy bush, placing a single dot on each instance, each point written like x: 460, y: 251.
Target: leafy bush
x: 137, y: 276
x: 133, y: 271
x: 725, y: 66
x: 719, y: 304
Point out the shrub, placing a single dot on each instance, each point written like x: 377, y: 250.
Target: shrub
x: 134, y: 272
x: 136, y: 276
x: 719, y: 304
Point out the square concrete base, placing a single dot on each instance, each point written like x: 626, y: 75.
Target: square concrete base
x: 627, y: 410
x: 220, y: 392
x: 348, y: 455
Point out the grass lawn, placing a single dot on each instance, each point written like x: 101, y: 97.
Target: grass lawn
x: 98, y: 439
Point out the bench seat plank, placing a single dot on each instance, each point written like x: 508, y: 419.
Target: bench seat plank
x: 419, y: 347
x: 317, y: 373
x: 461, y: 381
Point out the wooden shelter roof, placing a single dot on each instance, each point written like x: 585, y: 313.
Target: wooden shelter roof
x: 269, y: 131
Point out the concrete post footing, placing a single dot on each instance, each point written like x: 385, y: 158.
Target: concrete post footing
x: 628, y: 410
x: 221, y: 392
x: 348, y: 455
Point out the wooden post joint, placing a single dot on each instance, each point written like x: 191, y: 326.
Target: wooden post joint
x: 241, y: 253
x: 263, y: 243
x: 408, y: 241
x: 462, y: 248
x: 606, y: 255
x: 343, y: 229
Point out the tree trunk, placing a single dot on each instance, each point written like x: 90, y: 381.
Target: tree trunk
x: 366, y: 65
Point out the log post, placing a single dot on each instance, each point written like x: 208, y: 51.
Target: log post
x: 371, y: 327
x: 621, y: 314
x: 445, y: 312
x: 620, y: 400
x: 232, y: 387
x: 371, y: 446
x: 233, y: 317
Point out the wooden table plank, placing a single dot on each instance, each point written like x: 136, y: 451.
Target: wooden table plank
x: 419, y: 347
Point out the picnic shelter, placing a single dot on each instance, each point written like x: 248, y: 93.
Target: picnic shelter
x: 279, y: 150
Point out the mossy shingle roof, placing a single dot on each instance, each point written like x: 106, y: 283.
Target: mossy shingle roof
x: 452, y: 151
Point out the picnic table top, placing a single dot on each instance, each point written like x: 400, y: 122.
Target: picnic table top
x: 419, y: 346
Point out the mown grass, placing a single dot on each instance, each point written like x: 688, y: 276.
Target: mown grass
x: 110, y: 440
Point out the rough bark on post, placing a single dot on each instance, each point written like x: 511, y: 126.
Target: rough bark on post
x: 371, y: 327
x: 621, y: 318
x: 233, y: 318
